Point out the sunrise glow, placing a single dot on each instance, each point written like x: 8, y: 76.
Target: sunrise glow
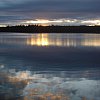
x: 63, y: 22
x: 43, y: 21
x: 92, y: 22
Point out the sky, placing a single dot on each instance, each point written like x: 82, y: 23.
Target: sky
x: 48, y: 12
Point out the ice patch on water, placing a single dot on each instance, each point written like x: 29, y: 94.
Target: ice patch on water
x: 74, y: 89
x: 44, y: 85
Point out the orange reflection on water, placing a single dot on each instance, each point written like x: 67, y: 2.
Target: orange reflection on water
x: 39, y: 40
x: 49, y: 40
x: 64, y: 40
x: 93, y: 43
x: 91, y: 40
x: 59, y: 40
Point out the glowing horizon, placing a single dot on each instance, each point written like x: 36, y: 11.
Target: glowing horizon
x: 63, y: 21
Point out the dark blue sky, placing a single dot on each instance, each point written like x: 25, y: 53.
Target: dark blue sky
x: 21, y: 11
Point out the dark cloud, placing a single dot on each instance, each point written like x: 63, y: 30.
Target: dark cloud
x: 52, y: 6
x: 48, y: 8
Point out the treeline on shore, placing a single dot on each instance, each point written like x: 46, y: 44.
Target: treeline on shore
x: 51, y: 29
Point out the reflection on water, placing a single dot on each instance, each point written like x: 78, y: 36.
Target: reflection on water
x: 50, y: 85
x: 39, y: 40
x: 62, y: 40
x: 31, y: 71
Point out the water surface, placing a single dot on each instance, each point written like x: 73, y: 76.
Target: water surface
x: 49, y: 66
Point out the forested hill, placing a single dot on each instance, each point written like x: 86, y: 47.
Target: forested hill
x: 51, y: 29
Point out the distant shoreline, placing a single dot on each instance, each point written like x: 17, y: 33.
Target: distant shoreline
x: 51, y: 29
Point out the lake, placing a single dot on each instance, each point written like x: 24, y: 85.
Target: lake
x: 49, y: 66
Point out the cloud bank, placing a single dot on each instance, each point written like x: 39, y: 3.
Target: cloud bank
x: 16, y: 11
